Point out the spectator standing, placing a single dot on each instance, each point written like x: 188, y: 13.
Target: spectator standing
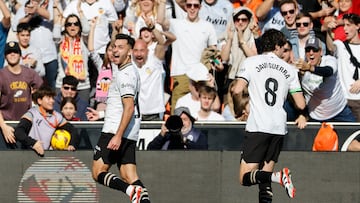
x: 4, y: 29
x: 38, y: 124
x: 317, y: 12
x: 268, y: 87
x: 156, y: 40
x: 348, y: 71
x: 31, y: 56
x: 193, y: 35
x: 304, y: 26
x: 289, y: 10
x: 239, y: 35
x: 150, y: 69
x: 69, y: 89
x: 102, y: 9
x: 218, y: 13
x: 16, y: 86
x: 103, y: 66
x: 324, y: 96
x: 40, y: 16
x: 141, y: 10
x: 269, y: 16
x: 73, y: 53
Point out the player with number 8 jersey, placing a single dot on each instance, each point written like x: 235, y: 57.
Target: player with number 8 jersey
x: 269, y: 79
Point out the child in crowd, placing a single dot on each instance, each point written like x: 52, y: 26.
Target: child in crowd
x: 207, y: 97
x: 68, y: 109
x: 45, y: 120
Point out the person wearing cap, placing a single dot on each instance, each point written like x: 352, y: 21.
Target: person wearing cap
x: 239, y: 35
x: 193, y: 35
x: 198, y: 76
x: 16, y: 86
x: 348, y: 71
x: 69, y: 89
x: 180, y: 124
x: 324, y: 95
x: 4, y: 29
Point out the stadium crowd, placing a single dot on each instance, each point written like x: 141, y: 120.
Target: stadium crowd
x: 188, y: 45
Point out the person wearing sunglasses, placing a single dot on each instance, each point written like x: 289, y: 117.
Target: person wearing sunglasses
x: 324, y: 95
x: 69, y: 89
x: 104, y: 10
x: 73, y: 54
x: 239, y: 42
x: 349, y: 68
x: 304, y: 27
x: 289, y: 10
x: 193, y: 35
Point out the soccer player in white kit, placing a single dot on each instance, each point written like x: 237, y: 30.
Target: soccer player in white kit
x: 269, y: 79
x: 117, y: 143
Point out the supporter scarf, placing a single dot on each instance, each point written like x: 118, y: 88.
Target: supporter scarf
x: 71, y: 58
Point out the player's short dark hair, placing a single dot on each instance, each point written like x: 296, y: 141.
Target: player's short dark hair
x: 43, y: 91
x: 271, y: 38
x: 128, y: 38
x: 70, y: 80
x: 23, y: 27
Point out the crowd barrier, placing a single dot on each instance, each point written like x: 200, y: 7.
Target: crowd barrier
x: 221, y: 135
x: 176, y: 177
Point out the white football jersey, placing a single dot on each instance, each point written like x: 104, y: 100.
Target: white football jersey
x: 126, y: 83
x: 269, y: 81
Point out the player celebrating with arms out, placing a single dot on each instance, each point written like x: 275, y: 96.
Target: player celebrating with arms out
x: 120, y: 132
x: 269, y: 79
